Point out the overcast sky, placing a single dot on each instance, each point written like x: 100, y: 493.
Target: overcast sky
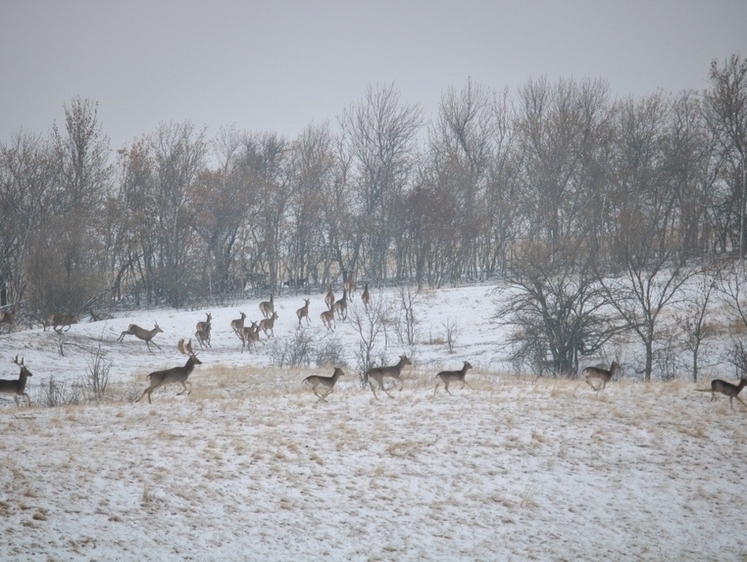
x: 275, y: 65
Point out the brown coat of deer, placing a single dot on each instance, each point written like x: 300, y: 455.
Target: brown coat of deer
x: 341, y: 306
x: 17, y: 387
x: 250, y: 336
x: 349, y: 285
x: 238, y: 324
x: 326, y: 382
x: 329, y: 298
x: 141, y: 333
x: 600, y: 374
x: 185, y: 348
x: 268, y: 325
x: 62, y: 320
x: 303, y: 312
x: 366, y: 297
x: 451, y: 376
x: 8, y: 317
x: 267, y: 307
x: 173, y: 375
x: 378, y: 374
x: 328, y: 319
x: 727, y: 388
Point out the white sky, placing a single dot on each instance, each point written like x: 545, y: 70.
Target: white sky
x: 279, y: 65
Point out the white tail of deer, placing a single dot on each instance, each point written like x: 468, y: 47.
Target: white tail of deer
x: 173, y: 375
x: 328, y: 319
x: 62, y: 320
x: 326, y: 382
x: 17, y: 387
x: 378, y: 374
x: 727, y: 388
x: 238, y: 324
x: 303, y: 312
x: 267, y: 307
x: 450, y: 376
x: 268, y: 325
x: 185, y: 348
x: 600, y: 374
x: 341, y: 306
x: 329, y: 298
x: 141, y: 333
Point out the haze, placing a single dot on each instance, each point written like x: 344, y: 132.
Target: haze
x: 279, y: 65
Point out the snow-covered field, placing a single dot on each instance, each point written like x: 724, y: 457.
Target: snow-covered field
x: 250, y: 466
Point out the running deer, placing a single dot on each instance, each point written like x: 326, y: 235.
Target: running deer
x: 267, y: 307
x: 250, y: 336
x: 141, y: 333
x: 62, y: 320
x: 349, y: 285
x: 268, y: 325
x: 727, y: 388
x: 326, y: 382
x: 303, y: 312
x: 17, y: 387
x: 602, y: 375
x: 328, y: 319
x: 238, y: 324
x: 341, y: 306
x: 206, y: 325
x: 173, y: 375
x: 366, y: 297
x: 451, y: 376
x: 378, y: 374
x: 185, y: 348
x: 203, y: 338
x: 8, y: 317
x: 329, y: 298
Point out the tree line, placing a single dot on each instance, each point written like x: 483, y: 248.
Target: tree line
x: 556, y: 178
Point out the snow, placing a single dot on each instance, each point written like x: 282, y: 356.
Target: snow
x: 251, y: 466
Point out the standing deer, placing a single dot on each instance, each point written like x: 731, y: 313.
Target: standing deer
x: 349, y: 285
x: 600, y: 374
x: 329, y: 298
x: 727, y: 388
x: 378, y: 374
x: 250, y: 336
x: 17, y: 387
x: 173, y: 375
x: 303, y: 312
x: 327, y: 382
x: 366, y: 297
x: 268, y: 325
x: 451, y: 376
x: 185, y: 348
x: 8, y: 317
x: 238, y: 324
x: 328, y: 319
x: 267, y: 307
x: 141, y: 333
x: 341, y: 306
x: 62, y: 320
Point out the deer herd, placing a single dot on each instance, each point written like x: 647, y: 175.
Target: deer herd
x: 250, y: 336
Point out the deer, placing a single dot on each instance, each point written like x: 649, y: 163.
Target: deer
x: 598, y: 373
x: 238, y: 324
x: 268, y: 325
x: 267, y: 307
x: 8, y: 316
x: 327, y: 382
x: 62, y: 320
x: 185, y: 348
x: 328, y: 319
x: 378, y: 374
x: 727, y: 388
x: 141, y: 333
x: 17, y: 387
x: 173, y: 375
x: 451, y: 376
x: 249, y: 336
x: 341, y: 306
x: 329, y: 298
x: 349, y: 285
x: 303, y: 312
x: 366, y: 297
x: 206, y: 325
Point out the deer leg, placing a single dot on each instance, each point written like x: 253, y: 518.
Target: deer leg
x: 435, y: 389
x: 465, y: 382
x: 373, y: 389
x: 591, y: 385
x: 446, y: 386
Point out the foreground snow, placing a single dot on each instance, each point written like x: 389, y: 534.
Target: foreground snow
x: 251, y: 466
